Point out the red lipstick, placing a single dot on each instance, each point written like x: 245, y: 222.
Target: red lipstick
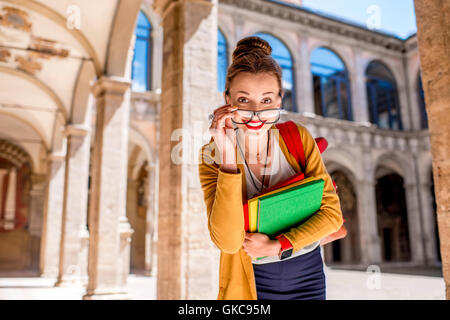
x: 254, y: 128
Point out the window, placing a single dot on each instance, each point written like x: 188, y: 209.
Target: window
x: 382, y: 94
x: 421, y: 98
x: 331, y: 85
x: 222, y: 60
x: 140, y: 71
x: 284, y: 58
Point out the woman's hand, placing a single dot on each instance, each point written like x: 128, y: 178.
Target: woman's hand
x: 224, y: 136
x: 260, y: 245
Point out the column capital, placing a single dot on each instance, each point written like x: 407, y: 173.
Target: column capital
x: 56, y: 156
x: 75, y: 129
x: 163, y: 7
x: 38, y: 179
x: 115, y: 86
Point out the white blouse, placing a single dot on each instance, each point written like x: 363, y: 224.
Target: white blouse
x: 279, y: 171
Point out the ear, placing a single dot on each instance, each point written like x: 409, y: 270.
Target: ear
x: 225, y: 97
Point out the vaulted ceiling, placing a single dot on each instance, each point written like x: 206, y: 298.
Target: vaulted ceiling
x: 50, y: 52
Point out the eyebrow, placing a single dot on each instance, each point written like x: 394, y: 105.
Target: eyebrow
x: 263, y: 93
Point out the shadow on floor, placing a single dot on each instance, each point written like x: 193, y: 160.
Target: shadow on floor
x: 429, y: 271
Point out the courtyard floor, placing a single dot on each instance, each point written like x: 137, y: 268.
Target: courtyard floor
x: 342, y: 284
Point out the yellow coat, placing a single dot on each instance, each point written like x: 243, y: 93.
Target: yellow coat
x: 223, y: 194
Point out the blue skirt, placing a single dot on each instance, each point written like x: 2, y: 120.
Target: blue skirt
x: 299, y: 278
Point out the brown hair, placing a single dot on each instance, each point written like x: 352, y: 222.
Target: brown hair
x: 253, y: 54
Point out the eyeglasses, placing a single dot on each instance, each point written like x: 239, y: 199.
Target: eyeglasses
x: 243, y: 116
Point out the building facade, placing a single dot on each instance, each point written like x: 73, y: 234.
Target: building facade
x: 89, y: 112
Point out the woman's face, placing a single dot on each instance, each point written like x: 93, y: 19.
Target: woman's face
x: 253, y: 92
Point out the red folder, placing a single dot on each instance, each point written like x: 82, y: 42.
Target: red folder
x: 296, y: 177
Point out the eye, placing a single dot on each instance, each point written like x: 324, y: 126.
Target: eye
x: 270, y: 100
x: 242, y: 98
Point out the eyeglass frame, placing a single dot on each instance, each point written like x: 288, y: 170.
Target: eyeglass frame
x: 257, y: 114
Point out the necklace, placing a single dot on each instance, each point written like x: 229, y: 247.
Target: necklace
x: 265, y: 164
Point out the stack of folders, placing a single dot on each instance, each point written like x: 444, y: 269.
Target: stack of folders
x: 282, y: 208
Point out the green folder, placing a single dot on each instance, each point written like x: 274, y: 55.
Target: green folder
x: 281, y: 211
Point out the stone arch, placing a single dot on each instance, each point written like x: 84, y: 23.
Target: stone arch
x: 346, y: 59
x: 393, y: 217
x: 16, y: 169
x: 288, y: 40
x: 387, y: 63
x: 332, y: 93
x: 140, y: 211
x: 118, y: 58
x: 228, y: 38
x: 346, y: 250
x: 394, y: 162
x: 157, y: 44
x: 150, y: 14
x: 138, y: 138
x: 394, y: 172
x: 41, y: 85
x: 82, y: 101
x: 343, y: 158
x: 136, y: 160
x: 141, y: 203
x: 15, y: 154
x: 30, y: 124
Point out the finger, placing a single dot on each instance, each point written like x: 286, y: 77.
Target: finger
x: 221, y: 120
x: 224, y: 108
x: 248, y: 235
x: 220, y: 113
x: 228, y: 123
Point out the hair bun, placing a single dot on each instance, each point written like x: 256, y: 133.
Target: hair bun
x: 252, y: 45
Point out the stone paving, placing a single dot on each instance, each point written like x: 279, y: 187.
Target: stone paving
x: 371, y: 285
x: 341, y: 285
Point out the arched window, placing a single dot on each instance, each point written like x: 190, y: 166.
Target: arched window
x: 331, y: 85
x: 222, y: 60
x: 421, y: 98
x: 384, y: 108
x: 140, y: 71
x: 284, y: 58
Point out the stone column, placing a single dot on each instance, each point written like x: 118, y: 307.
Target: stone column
x: 368, y: 225
x: 304, y: 85
x: 367, y: 209
x: 51, y: 226
x: 150, y: 220
x: 433, y: 32
x: 429, y: 223
x: 108, y: 227
x: 132, y: 208
x: 415, y: 224
x: 186, y: 262
x: 358, y: 89
x: 9, y: 213
x: 36, y: 210
x: 75, y: 206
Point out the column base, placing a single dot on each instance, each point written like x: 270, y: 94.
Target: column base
x: 48, y: 275
x: 64, y: 283
x: 108, y: 296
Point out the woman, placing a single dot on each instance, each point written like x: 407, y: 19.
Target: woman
x: 244, y: 156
